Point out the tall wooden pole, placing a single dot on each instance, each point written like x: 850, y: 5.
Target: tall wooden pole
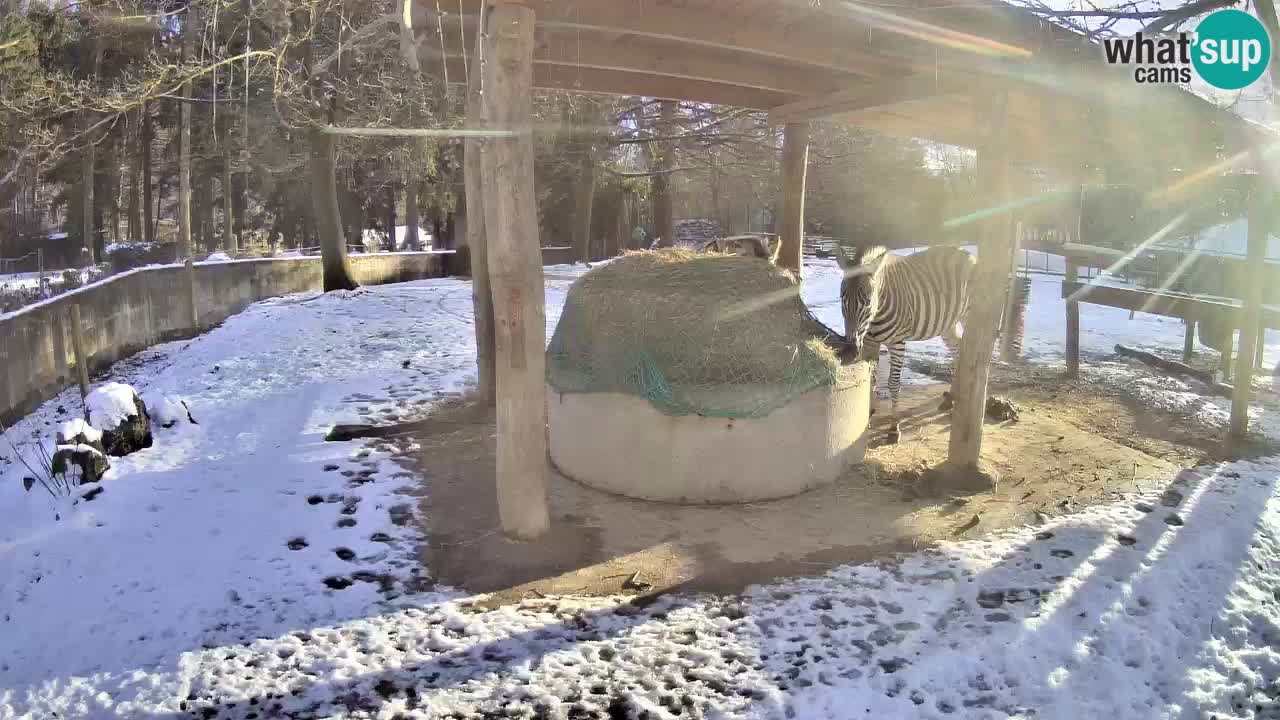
x: 481, y: 296
x: 973, y: 365
x: 515, y: 271
x: 1072, y: 275
x: 795, y: 163
x: 1008, y: 346
x: 1253, y: 279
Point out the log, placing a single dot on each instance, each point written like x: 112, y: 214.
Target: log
x: 1177, y: 368
x: 515, y: 272
x: 344, y: 432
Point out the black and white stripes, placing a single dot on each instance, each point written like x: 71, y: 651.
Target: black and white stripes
x: 891, y: 299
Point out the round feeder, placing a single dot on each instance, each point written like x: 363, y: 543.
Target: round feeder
x: 695, y: 378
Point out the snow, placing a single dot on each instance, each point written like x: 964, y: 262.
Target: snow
x: 186, y: 585
x: 163, y: 409
x: 218, y: 256
x: 110, y: 404
x: 1231, y: 240
x: 81, y: 448
x: 76, y: 427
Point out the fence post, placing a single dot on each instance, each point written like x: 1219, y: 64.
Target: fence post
x: 1072, y: 275
x: 77, y: 343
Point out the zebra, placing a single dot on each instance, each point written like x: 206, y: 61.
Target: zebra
x: 889, y: 299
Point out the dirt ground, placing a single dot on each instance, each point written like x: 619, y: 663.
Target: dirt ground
x: 1074, y: 445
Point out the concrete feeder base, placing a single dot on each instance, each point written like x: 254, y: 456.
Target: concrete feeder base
x: 622, y: 444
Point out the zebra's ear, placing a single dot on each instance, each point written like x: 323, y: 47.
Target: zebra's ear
x: 844, y: 255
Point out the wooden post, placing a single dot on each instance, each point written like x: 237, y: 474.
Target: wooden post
x: 77, y: 344
x: 1188, y: 340
x: 1243, y: 388
x: 1226, y: 341
x: 1261, y: 345
x: 1007, y: 344
x: 1073, y: 323
x: 795, y: 164
x: 481, y: 297
x: 515, y: 271
x: 973, y: 364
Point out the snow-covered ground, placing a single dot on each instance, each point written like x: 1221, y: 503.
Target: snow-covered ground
x: 243, y: 567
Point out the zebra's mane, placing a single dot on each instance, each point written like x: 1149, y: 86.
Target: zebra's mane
x: 851, y: 257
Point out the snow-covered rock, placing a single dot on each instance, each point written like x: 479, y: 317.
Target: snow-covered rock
x: 166, y: 410
x: 77, y: 431
x: 116, y: 409
x: 218, y: 256
x: 89, y: 460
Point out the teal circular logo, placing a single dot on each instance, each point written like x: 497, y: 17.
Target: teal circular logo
x: 1231, y: 49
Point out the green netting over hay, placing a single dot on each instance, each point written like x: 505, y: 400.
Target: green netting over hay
x: 693, y: 333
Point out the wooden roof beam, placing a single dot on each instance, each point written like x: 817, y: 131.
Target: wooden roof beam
x: 617, y: 82
x: 874, y: 95
x: 768, y: 32
x: 630, y: 54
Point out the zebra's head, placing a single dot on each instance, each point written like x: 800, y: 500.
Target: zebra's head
x: 860, y: 291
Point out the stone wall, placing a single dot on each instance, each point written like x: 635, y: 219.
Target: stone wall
x: 134, y: 310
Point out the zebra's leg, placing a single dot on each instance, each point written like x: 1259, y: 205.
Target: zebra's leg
x: 951, y: 338
x: 897, y: 356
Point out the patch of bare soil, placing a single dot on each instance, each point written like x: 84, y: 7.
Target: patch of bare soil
x: 1072, y: 446
x: 1109, y: 409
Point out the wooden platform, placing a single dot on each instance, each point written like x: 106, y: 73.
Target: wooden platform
x: 1169, y: 304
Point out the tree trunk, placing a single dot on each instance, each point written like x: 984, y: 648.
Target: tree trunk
x: 86, y: 200
x: 229, y: 240
x: 324, y: 198
x: 115, y: 183
x: 209, y: 235
x: 973, y: 364
x: 135, y: 202
x: 411, y: 214
x: 511, y: 219
x: 391, y: 216
x: 795, y: 164
x: 663, y: 213
x: 184, y: 144
x: 148, y: 206
x: 87, y: 166
x: 477, y: 245
x: 154, y: 223
x: 583, y: 201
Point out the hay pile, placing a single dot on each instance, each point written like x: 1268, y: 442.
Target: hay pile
x: 710, y: 334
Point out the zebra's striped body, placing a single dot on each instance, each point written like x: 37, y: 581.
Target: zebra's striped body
x: 891, y: 300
